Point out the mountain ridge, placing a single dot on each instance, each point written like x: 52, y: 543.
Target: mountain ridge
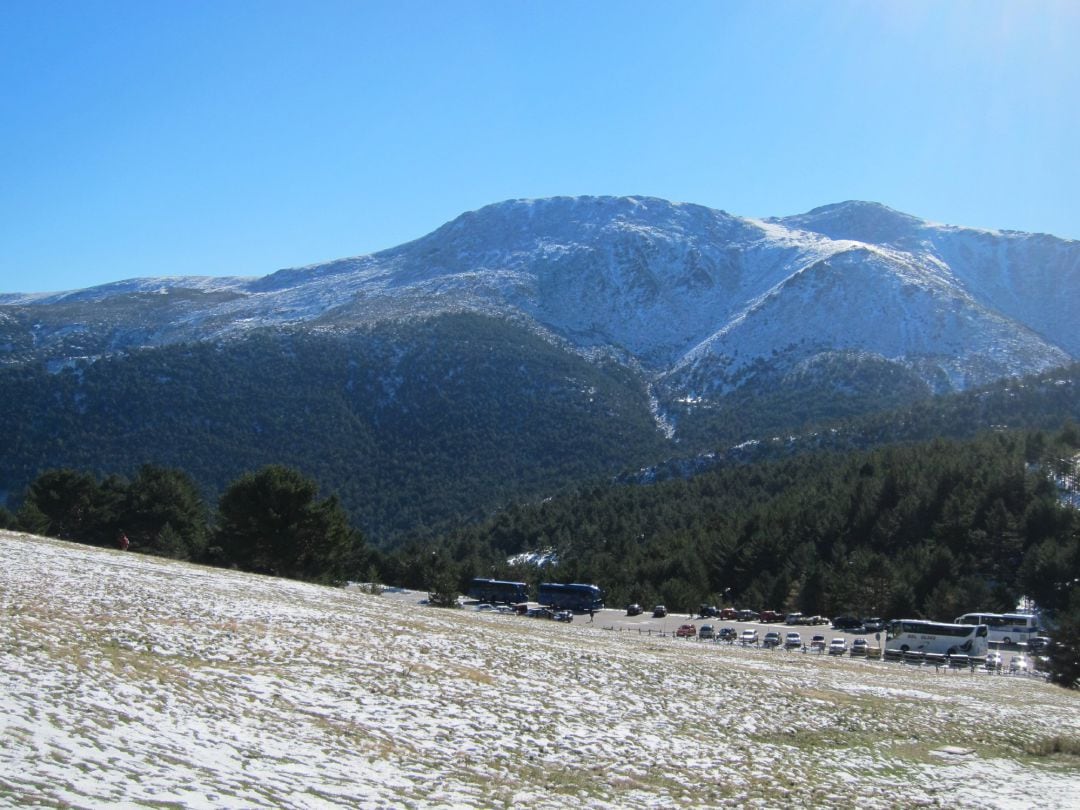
x: 638, y: 276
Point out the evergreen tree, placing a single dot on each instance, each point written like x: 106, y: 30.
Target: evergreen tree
x: 7, y: 519
x: 1064, y: 653
x: 66, y: 504
x: 271, y: 522
x: 443, y: 581
x: 160, y: 499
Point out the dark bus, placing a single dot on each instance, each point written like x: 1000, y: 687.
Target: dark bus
x: 571, y: 597
x: 497, y: 590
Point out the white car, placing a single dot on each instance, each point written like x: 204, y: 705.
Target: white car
x: 792, y: 641
x: 749, y: 636
x: 1018, y: 665
x: 993, y: 661
x: 838, y: 646
x: 859, y: 646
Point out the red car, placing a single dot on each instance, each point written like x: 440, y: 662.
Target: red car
x: 770, y: 616
x: 686, y: 631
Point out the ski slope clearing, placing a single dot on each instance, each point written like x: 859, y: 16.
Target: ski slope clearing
x: 139, y: 682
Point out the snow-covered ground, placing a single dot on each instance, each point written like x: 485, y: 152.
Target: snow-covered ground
x: 129, y: 681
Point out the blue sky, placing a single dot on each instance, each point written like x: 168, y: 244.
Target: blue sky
x: 237, y: 138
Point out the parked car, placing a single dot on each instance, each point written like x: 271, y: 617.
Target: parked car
x: 1018, y: 665
x: 747, y: 615
x: 772, y: 639
x: 564, y: 616
x: 706, y: 631
x: 686, y: 631
x: 748, y: 636
x: 874, y: 624
x: 846, y: 623
x: 1038, y: 644
x: 541, y: 613
x: 485, y: 606
x: 728, y: 614
x: 792, y: 641
x: 817, y: 643
x: 838, y: 646
x: 634, y: 610
x: 770, y: 616
x: 859, y: 647
x: 707, y: 611
x: 659, y: 612
x: 728, y: 634
x: 993, y: 661
x: 793, y: 618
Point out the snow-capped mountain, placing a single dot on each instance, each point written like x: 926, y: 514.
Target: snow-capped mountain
x: 699, y: 299
x: 524, y: 347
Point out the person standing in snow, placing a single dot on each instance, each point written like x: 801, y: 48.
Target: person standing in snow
x: 122, y: 541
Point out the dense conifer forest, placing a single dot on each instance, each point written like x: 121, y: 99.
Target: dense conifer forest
x: 425, y: 424
x: 931, y: 529
x: 408, y: 425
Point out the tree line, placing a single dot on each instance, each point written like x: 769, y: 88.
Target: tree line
x: 271, y: 521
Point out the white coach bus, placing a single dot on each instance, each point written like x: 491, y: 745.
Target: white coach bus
x: 939, y: 638
x: 1005, y: 628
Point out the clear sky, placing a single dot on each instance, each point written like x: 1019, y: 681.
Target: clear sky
x: 237, y: 137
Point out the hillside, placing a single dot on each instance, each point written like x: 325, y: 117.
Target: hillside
x: 143, y: 682
x: 525, y: 348
x: 408, y: 426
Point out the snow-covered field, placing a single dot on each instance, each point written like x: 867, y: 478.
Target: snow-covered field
x: 137, y: 682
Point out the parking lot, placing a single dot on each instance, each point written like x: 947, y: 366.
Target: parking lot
x: 646, y: 624
x: 667, y: 626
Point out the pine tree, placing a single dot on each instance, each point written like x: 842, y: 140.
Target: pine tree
x: 271, y: 522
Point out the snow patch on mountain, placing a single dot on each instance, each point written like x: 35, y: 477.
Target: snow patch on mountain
x: 677, y: 289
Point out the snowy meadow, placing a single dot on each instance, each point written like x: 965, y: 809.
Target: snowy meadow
x: 132, y: 681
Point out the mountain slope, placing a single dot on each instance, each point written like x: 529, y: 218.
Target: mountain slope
x: 646, y: 279
x: 409, y: 425
x: 1031, y: 278
x: 527, y: 346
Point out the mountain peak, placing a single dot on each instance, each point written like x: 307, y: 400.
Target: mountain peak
x: 858, y: 220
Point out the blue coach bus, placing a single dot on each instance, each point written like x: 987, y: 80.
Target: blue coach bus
x: 571, y: 597
x: 497, y: 590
